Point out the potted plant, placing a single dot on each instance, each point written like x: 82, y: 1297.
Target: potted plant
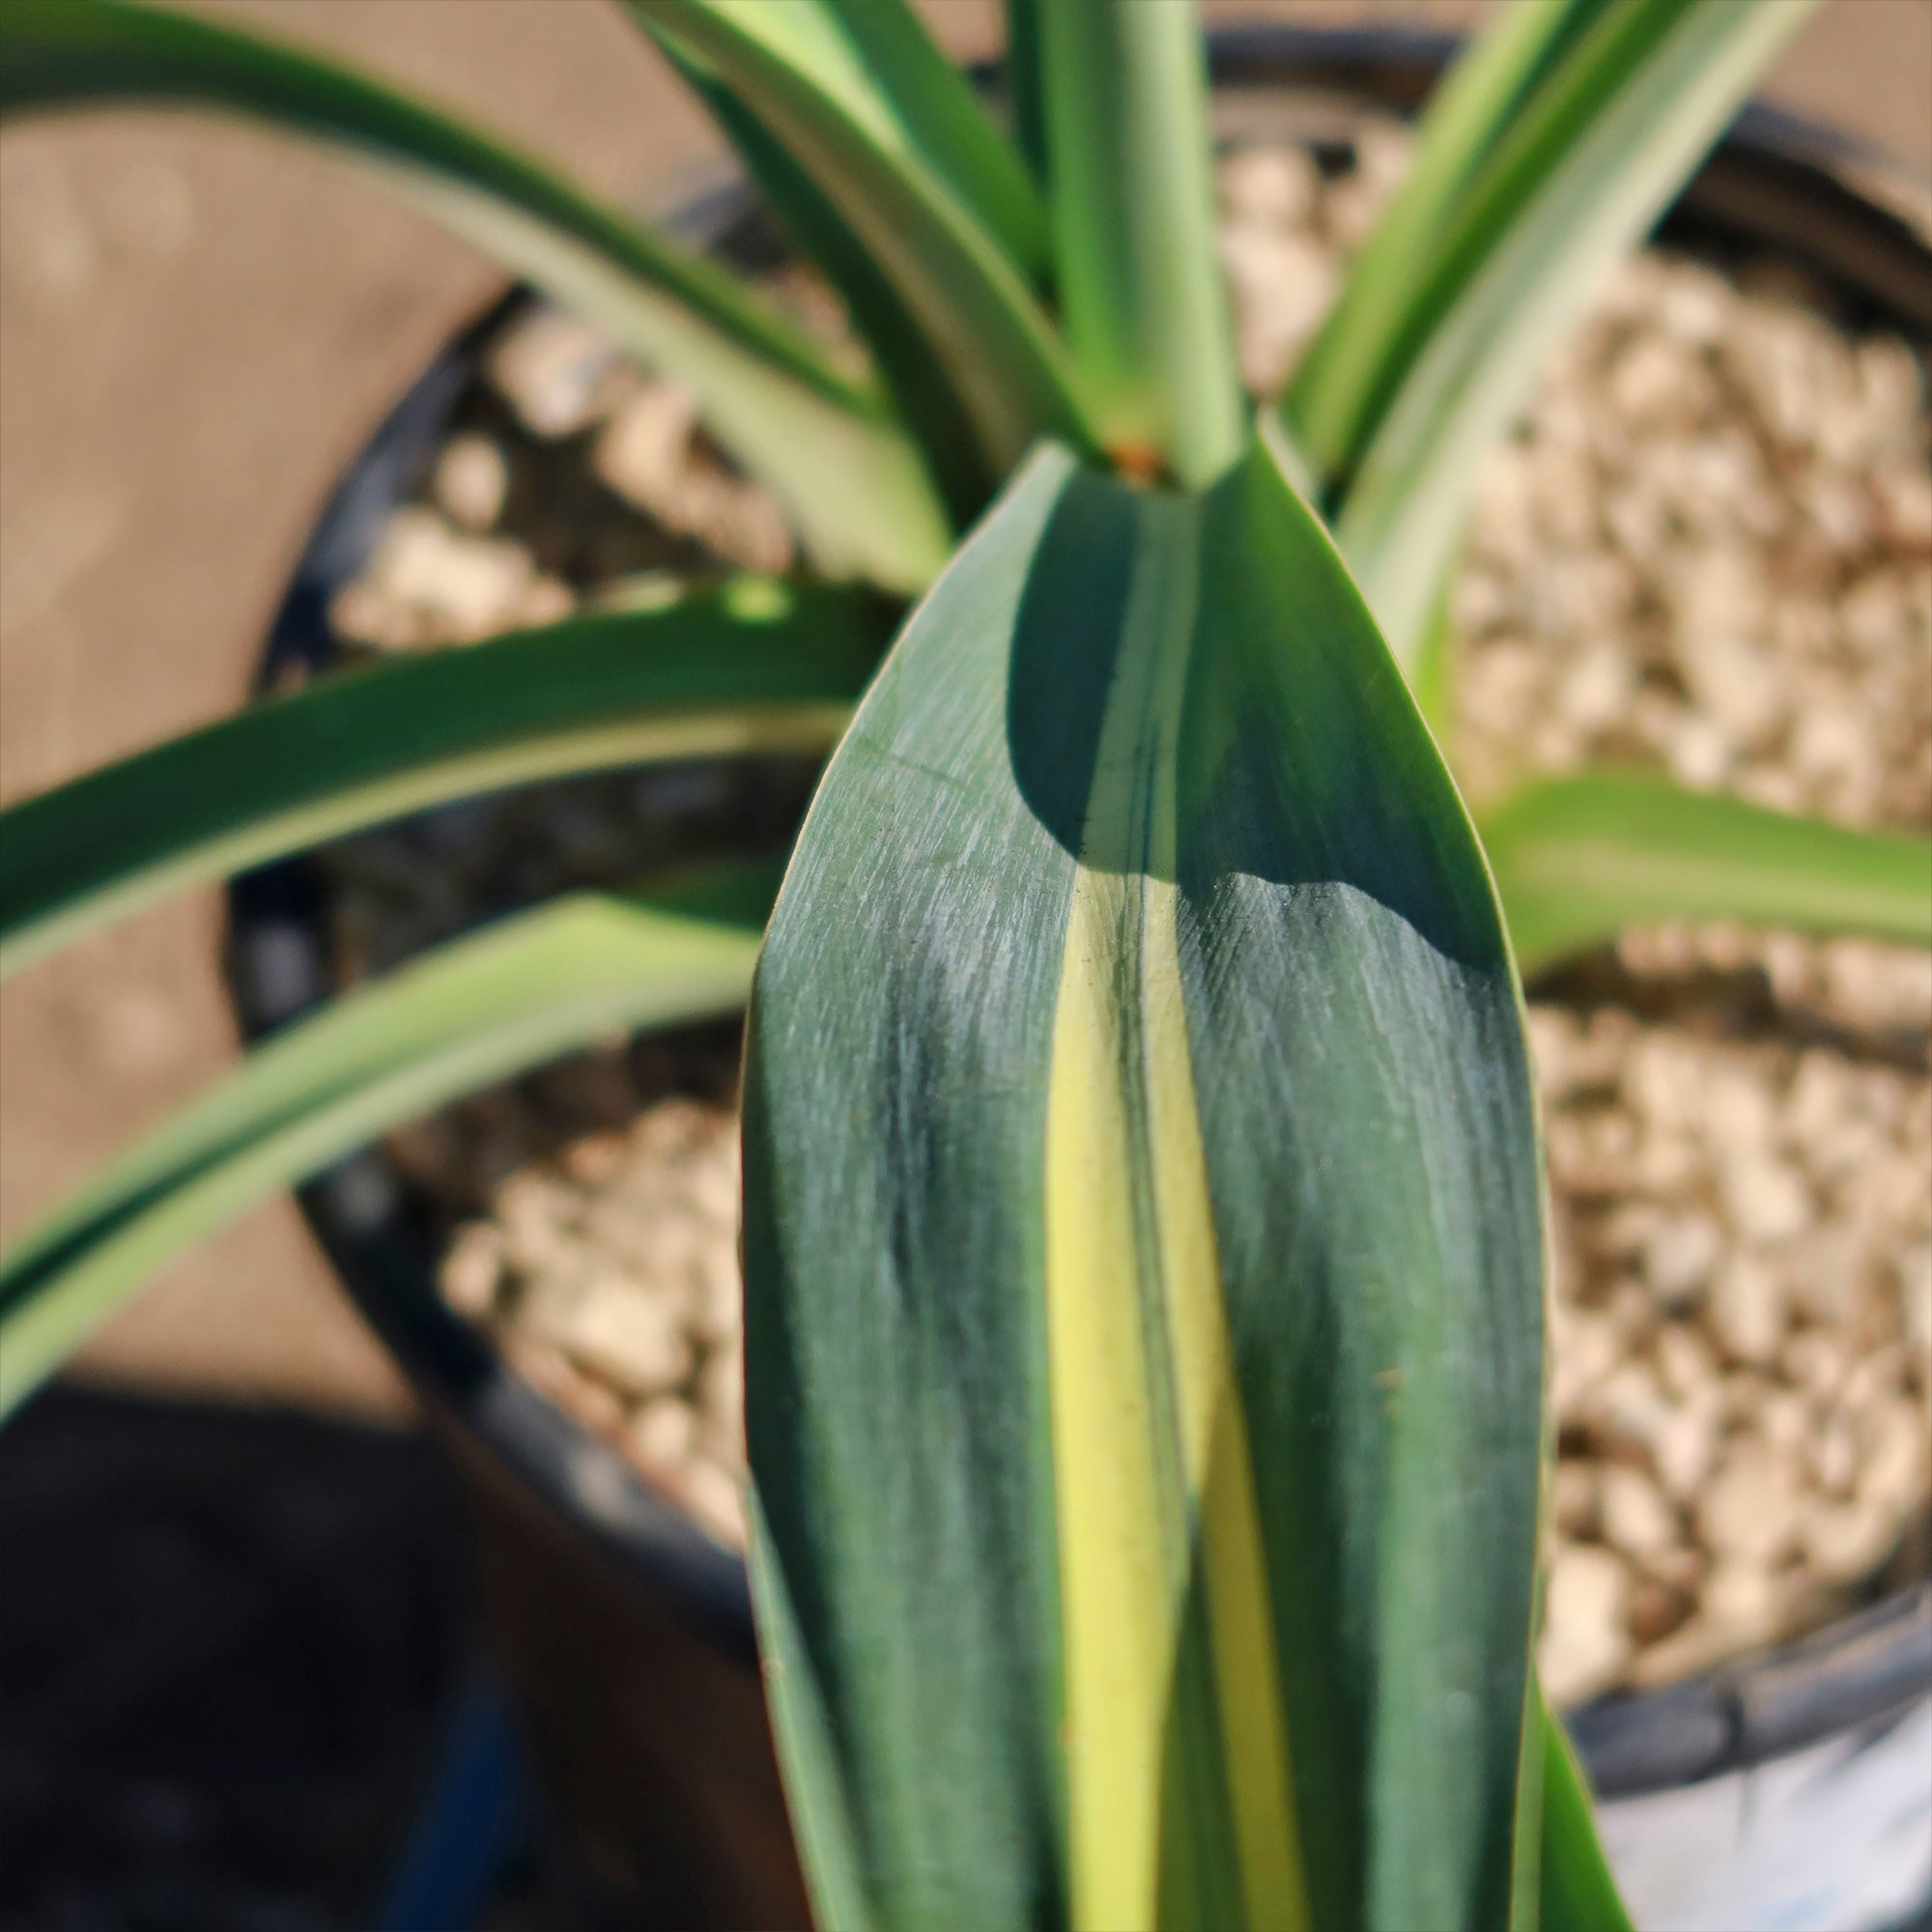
x: 1143, y: 1238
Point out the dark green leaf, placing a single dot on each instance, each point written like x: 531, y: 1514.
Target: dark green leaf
x: 906, y: 358
x: 793, y: 70
x: 1142, y: 1257
x: 470, y: 1012
x: 1025, y: 84
x: 757, y: 666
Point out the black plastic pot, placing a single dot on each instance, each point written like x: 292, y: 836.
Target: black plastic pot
x: 627, y: 1632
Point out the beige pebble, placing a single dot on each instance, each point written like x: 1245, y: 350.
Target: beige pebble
x: 1289, y: 283
x: 1895, y: 1468
x: 1682, y: 1447
x: 1844, y: 1543
x: 1827, y: 1270
x: 714, y: 1499
x: 472, y: 1270
x: 470, y: 481
x: 1679, y: 1254
x: 463, y: 587
x: 596, y: 1159
x: 663, y: 1433
x: 1586, y: 1639
x: 1746, y: 1308
x: 1686, y: 1367
x: 1749, y: 1507
x: 1764, y: 1197
x: 1744, y: 1597
x: 1633, y: 1310
x: 1627, y: 1409
x: 537, y: 1215
x: 1784, y: 1419
x: 1914, y: 1270
x: 1574, y: 1487
x: 1834, y: 1455
x: 545, y: 599
x: 711, y: 1180
x: 1636, y: 1517
x: 1657, y: 381
x: 1695, y: 1647
x: 557, y: 373
x: 1270, y: 185
x: 718, y: 1292
x: 1816, y: 1361
x: 721, y: 1397
x: 645, y: 451
x: 630, y: 1339
x: 1680, y: 1567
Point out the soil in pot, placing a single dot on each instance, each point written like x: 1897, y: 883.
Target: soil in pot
x: 1707, y: 550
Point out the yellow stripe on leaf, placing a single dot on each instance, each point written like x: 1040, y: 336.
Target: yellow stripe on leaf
x: 1153, y: 1478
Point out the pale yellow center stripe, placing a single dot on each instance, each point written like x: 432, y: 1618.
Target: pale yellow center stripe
x: 1125, y: 1575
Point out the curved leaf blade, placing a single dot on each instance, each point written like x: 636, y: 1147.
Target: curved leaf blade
x: 473, y: 1011
x: 746, y: 670
x: 791, y: 68
x: 1124, y: 91
x: 1578, y: 1890
x: 826, y: 444
x: 1576, y: 860
x: 1139, y: 1143
x: 941, y: 114
x: 906, y: 358
x: 1587, y: 169
x: 1025, y: 84
x: 1346, y: 375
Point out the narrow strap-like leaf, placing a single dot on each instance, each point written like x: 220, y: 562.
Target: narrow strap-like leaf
x: 1354, y: 363
x: 1579, y: 177
x: 1578, y: 1891
x: 753, y: 668
x: 473, y: 1011
x: 1026, y: 88
x: 826, y: 444
x: 1578, y: 859
x: 793, y: 68
x: 906, y: 361
x: 1125, y: 98
x: 935, y: 103
x: 1142, y: 1257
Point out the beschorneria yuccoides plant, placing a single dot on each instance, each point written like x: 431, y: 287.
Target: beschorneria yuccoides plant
x: 1142, y: 1234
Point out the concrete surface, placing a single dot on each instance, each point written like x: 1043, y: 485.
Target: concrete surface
x: 198, y: 324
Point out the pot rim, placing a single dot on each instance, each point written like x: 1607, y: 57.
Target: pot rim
x: 1776, y: 183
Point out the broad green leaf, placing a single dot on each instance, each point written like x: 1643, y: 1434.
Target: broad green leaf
x: 1580, y: 177
x: 828, y: 446
x: 473, y: 1011
x: 906, y: 358
x: 1578, y: 1891
x: 794, y: 69
x: 1578, y: 859
x: 754, y: 668
x: 1125, y: 98
x: 1349, y: 368
x: 1143, y: 1256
